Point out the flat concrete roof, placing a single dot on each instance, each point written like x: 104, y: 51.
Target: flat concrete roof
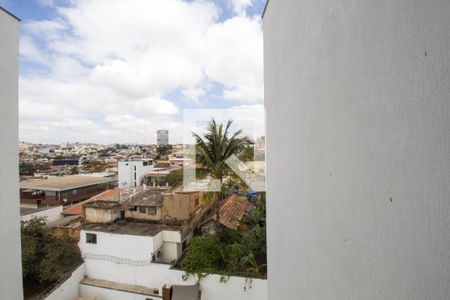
x: 63, y: 183
x: 131, y: 228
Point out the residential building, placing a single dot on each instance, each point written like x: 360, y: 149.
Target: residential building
x: 228, y: 216
x: 162, y: 137
x: 142, y: 232
x: 62, y: 190
x: 10, y: 264
x: 357, y: 101
x: 132, y: 172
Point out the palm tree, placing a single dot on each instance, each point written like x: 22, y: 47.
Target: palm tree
x: 217, y: 145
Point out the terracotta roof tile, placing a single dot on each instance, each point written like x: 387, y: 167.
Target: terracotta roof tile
x: 232, y: 211
x: 104, y: 196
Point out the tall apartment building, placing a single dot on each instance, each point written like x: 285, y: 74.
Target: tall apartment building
x: 360, y: 89
x: 162, y: 137
x: 131, y: 172
x: 10, y: 264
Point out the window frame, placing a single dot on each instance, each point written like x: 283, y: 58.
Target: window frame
x: 91, y: 238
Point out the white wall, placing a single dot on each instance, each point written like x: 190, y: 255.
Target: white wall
x: 51, y: 214
x: 358, y: 138
x: 126, y: 172
x: 156, y: 275
x: 10, y: 264
x: 69, y: 289
x: 129, y: 247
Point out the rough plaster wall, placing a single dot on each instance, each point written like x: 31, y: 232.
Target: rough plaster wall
x: 358, y: 138
x: 10, y: 265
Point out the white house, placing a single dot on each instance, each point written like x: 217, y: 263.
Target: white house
x: 131, y: 172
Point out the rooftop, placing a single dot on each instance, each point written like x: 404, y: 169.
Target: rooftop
x: 63, y: 183
x: 108, y: 195
x: 231, y: 212
x: 102, y: 204
x: 147, y: 197
x: 131, y: 228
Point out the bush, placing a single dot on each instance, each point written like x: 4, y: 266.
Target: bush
x: 203, y: 256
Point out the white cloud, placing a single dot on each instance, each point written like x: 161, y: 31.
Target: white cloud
x: 235, y: 59
x: 239, y: 6
x: 115, y: 64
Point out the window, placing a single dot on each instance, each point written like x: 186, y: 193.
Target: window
x: 151, y: 211
x: 135, y: 168
x: 196, y: 201
x: 91, y: 238
x: 142, y: 209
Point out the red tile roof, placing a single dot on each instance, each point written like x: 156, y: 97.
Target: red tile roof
x: 232, y: 211
x: 104, y: 196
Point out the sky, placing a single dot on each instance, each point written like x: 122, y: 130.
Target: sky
x: 114, y: 71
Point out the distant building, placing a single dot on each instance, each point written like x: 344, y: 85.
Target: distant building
x: 131, y: 172
x: 162, y: 137
x: 62, y: 190
x: 10, y: 260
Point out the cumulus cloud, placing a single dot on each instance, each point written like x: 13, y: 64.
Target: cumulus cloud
x: 113, y: 64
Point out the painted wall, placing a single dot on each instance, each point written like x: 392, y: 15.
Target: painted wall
x: 10, y: 280
x: 52, y: 214
x: 127, y: 171
x: 69, y: 289
x: 156, y: 275
x: 357, y: 98
x: 135, y: 248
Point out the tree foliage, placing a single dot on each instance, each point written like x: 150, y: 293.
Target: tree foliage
x: 33, y: 240
x: 203, y: 256
x: 45, y: 259
x: 231, y: 252
x: 61, y: 255
x: 175, y: 178
x: 217, y: 145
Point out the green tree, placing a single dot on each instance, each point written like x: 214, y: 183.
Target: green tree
x: 216, y: 146
x: 175, y: 178
x: 61, y: 255
x: 33, y: 239
x: 74, y: 170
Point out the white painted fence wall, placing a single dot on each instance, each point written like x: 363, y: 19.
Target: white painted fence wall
x: 156, y: 275
x: 51, y: 214
x: 69, y: 290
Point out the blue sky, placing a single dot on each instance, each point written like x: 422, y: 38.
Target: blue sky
x: 116, y: 71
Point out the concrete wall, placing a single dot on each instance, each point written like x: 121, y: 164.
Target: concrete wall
x: 52, y: 214
x: 358, y: 139
x: 144, y: 216
x: 126, y: 248
x: 69, y: 289
x: 156, y: 275
x: 10, y: 280
x: 103, y: 216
